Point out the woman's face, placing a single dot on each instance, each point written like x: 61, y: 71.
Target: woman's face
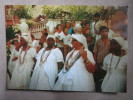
x: 73, y: 24
x: 22, y: 41
x: 50, y: 42
x: 76, y: 44
x: 114, y: 46
x: 59, y: 28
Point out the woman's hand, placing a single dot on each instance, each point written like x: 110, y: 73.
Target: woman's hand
x: 90, y: 67
x: 84, y: 55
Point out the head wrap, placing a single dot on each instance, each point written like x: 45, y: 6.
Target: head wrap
x: 77, y: 28
x: 80, y: 38
x: 121, y: 41
x: 50, y: 36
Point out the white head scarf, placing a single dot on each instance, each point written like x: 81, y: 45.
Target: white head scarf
x: 51, y: 36
x: 121, y: 41
x: 80, y: 39
x: 77, y: 29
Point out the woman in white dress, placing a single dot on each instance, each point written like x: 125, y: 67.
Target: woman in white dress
x: 14, y: 56
x: 49, y: 61
x: 21, y: 74
x: 77, y: 72
x: 115, y: 65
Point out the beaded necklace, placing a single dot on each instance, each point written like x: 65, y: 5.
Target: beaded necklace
x: 22, y: 60
x: 111, y: 65
x: 73, y: 60
x: 41, y: 59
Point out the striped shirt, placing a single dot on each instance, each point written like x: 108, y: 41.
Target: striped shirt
x: 101, y: 50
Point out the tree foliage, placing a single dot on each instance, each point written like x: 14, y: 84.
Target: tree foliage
x: 22, y: 11
x: 77, y: 12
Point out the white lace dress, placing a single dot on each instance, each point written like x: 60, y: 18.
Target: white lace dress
x: 116, y: 76
x: 21, y: 74
x: 77, y: 78
x: 44, y: 75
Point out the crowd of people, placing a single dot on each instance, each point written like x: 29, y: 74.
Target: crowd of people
x: 85, y: 57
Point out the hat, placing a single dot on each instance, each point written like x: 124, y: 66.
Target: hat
x: 80, y: 38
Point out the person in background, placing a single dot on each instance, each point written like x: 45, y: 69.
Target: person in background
x: 90, y: 42
x: 88, y: 29
x: 66, y: 42
x: 63, y: 25
x: 45, y: 31
x: 84, y: 31
x: 70, y: 29
x: 94, y: 32
x: 101, y: 49
x: 59, y: 36
x: 82, y: 23
x: 73, y: 24
x: 35, y: 43
x: 55, y: 30
x: 115, y: 65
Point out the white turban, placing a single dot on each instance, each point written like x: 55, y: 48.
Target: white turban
x: 26, y: 38
x: 80, y: 38
x: 50, y: 36
x: 77, y: 28
x: 121, y: 41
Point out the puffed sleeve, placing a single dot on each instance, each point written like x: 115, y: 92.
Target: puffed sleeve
x: 59, y: 55
x: 90, y: 57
